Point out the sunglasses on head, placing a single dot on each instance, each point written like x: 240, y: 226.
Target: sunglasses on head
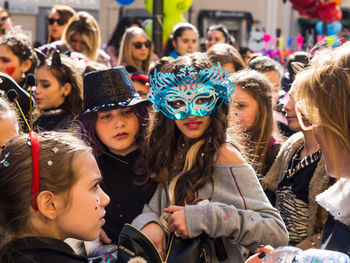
x: 138, y: 45
x: 59, y: 21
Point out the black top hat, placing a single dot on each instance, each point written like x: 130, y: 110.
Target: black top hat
x: 7, y: 83
x: 109, y: 89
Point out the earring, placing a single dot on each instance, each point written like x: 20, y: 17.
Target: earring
x: 23, y: 75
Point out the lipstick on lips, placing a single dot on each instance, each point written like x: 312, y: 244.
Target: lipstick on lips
x: 193, y: 125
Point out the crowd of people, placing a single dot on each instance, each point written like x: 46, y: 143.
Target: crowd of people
x: 215, y: 142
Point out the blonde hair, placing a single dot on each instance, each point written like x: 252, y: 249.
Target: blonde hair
x: 322, y: 93
x: 125, y: 54
x: 86, y: 25
x: 58, y: 148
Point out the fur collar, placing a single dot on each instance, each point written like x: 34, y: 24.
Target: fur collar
x: 336, y: 200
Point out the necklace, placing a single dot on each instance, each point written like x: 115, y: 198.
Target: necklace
x: 306, y: 161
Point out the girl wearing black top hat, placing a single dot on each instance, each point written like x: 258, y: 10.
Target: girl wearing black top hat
x: 115, y: 119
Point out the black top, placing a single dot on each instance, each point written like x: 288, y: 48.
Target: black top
x: 127, y: 198
x: 40, y: 250
x: 336, y: 236
x: 293, y: 195
x: 53, y: 119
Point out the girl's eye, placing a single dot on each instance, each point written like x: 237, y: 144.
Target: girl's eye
x: 203, y: 100
x: 127, y: 111
x: 177, y: 104
x: 5, y: 60
x: 240, y: 105
x: 105, y: 116
x: 45, y: 86
x: 96, y: 186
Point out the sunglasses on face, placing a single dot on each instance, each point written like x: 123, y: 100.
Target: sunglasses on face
x: 3, y: 18
x: 138, y: 45
x: 59, y: 21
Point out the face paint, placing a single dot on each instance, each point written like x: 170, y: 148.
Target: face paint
x: 189, y: 92
x: 10, y: 70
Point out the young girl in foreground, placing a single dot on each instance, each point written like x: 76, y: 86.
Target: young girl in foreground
x: 189, y: 155
x: 60, y: 198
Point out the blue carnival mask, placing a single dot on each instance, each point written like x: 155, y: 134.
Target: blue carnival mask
x: 189, y: 92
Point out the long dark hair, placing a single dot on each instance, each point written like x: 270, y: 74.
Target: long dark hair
x: 167, y: 152
x: 89, y: 134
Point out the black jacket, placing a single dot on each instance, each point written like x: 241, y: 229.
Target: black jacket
x: 39, y: 250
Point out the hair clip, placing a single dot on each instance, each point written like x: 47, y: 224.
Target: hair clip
x: 55, y: 149
x: 4, y: 161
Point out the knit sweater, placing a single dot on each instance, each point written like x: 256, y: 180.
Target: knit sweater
x: 319, y: 183
x: 239, y: 212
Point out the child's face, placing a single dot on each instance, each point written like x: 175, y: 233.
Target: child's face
x: 117, y: 130
x: 49, y: 93
x: 82, y: 216
x: 193, y: 127
x: 246, y: 108
x: 10, y: 63
x: 141, y: 89
x: 186, y: 43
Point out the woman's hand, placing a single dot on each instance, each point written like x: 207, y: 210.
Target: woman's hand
x: 177, y: 220
x: 156, y: 234
x: 259, y: 257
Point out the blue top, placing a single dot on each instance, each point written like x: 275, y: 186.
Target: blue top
x: 174, y: 54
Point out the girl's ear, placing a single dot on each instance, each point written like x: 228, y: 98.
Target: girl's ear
x: 67, y: 89
x: 174, y: 43
x: 25, y: 65
x: 47, y: 206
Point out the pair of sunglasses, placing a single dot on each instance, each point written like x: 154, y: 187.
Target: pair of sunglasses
x: 3, y: 18
x: 59, y: 21
x: 138, y: 45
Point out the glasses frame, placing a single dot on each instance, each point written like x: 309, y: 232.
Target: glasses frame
x: 59, y: 21
x: 139, y: 44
